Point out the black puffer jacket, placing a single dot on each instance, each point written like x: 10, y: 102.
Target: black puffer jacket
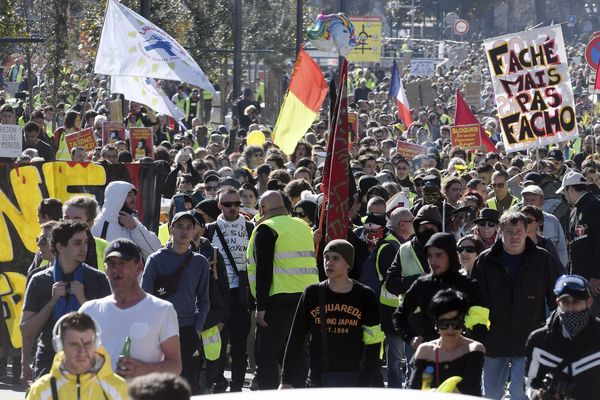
x: 516, y: 312
x: 412, y: 318
x: 547, y: 347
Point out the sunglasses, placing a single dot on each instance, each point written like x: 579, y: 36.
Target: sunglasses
x: 489, y: 224
x: 468, y: 249
x: 498, y: 185
x: 212, y: 188
x: 443, y: 324
x: 230, y: 204
x: 299, y: 214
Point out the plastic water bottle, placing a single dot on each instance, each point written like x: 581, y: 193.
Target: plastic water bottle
x: 126, y: 352
x: 427, y: 378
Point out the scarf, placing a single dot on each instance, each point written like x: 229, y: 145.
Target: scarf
x: 575, y: 322
x: 68, y: 302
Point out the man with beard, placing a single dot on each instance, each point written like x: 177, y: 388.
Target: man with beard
x: 31, y: 140
x: 117, y: 220
x: 411, y: 261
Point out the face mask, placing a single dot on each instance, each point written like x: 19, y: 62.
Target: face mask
x: 372, y: 234
x: 425, y: 235
x: 575, y: 322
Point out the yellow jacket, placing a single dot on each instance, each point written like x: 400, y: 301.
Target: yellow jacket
x: 104, y: 384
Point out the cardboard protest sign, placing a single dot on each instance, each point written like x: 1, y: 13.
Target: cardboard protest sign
x: 409, y: 150
x: 532, y: 87
x: 419, y: 93
x: 141, y: 142
x: 473, y: 94
x: 465, y: 136
x: 112, y: 132
x: 84, y: 139
x: 11, y: 141
x: 353, y: 126
x: 116, y: 110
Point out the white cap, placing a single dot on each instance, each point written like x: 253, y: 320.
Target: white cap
x: 571, y: 178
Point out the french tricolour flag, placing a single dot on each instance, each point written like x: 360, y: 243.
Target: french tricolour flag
x: 397, y: 92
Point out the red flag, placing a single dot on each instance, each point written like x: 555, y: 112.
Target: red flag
x: 597, y: 80
x: 464, y: 116
x: 335, y: 171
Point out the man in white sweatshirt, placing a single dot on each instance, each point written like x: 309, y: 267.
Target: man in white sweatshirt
x: 116, y: 221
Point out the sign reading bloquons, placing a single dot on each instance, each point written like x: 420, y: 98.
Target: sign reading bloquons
x: 532, y: 87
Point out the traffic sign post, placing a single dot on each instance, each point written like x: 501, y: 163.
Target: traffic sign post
x: 460, y: 27
x: 592, y: 51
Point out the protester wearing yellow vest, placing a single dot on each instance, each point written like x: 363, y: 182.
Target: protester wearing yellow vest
x: 72, y: 124
x: 193, y: 108
x: 502, y: 200
x: 15, y: 73
x: 281, y: 264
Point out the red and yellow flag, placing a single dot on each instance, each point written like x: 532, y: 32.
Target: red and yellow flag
x: 301, y: 104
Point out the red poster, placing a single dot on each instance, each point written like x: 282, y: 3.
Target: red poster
x: 410, y: 150
x: 465, y: 136
x: 141, y: 142
x: 84, y: 139
x: 112, y: 132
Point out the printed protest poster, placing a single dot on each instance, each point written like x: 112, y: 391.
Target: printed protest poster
x: 422, y: 67
x: 353, y: 125
x: 409, y: 150
x: 112, y: 132
x: 142, y: 143
x: 532, y: 88
x: 368, y: 39
x: 11, y: 141
x: 84, y: 139
x: 465, y: 136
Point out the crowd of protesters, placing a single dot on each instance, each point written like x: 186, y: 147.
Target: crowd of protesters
x: 453, y: 258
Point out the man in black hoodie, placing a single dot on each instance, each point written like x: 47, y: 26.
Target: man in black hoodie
x: 442, y: 258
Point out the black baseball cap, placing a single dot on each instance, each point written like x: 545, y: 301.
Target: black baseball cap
x: 183, y: 214
x: 124, y: 249
x: 556, y: 154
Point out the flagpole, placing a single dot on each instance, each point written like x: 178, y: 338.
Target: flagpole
x: 87, y: 97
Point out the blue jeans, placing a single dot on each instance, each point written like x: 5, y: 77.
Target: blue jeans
x: 409, y: 352
x: 394, y: 351
x: 495, y: 373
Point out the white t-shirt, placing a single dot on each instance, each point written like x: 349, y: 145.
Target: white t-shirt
x: 236, y: 237
x: 149, y: 323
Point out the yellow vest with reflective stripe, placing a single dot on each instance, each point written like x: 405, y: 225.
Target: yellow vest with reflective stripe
x: 385, y: 297
x: 180, y: 103
x: 101, y: 245
x: 207, y: 95
x: 188, y: 102
x: 411, y: 265
x: 63, y: 153
x: 211, y: 341
x: 494, y: 206
x: 294, y: 263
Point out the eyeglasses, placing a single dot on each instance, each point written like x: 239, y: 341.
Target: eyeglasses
x: 212, y: 188
x: 299, y: 214
x: 443, y: 324
x: 230, y: 204
x: 489, y: 224
x: 498, y: 185
x: 468, y: 249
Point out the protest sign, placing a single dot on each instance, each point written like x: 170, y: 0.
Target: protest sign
x: 11, y: 141
x: 409, y: 150
x: 112, y: 132
x: 84, y: 139
x: 473, y: 94
x: 465, y: 136
x: 368, y: 39
x: 532, y: 87
x: 141, y: 142
x: 353, y: 127
x: 422, y: 67
x: 419, y: 93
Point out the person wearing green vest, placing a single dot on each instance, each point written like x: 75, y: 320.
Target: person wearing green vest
x: 401, y: 230
x: 411, y: 260
x: 502, y: 200
x: 15, y: 73
x: 281, y: 264
x: 207, y: 98
x: 72, y: 124
x: 189, y: 293
x: 192, y: 108
x: 179, y: 98
x: 85, y: 209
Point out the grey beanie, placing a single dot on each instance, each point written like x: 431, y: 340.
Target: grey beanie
x: 343, y: 248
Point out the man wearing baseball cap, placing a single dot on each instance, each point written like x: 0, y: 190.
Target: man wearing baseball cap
x: 563, y: 357
x: 584, y: 231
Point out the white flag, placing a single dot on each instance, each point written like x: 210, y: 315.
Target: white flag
x: 147, y: 92
x: 131, y: 45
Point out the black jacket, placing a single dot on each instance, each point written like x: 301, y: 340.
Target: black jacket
x: 547, y: 347
x: 416, y: 303
x: 584, y: 236
x: 395, y: 282
x: 515, y: 313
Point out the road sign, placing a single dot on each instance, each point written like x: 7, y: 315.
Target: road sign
x: 461, y: 27
x: 592, y: 51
